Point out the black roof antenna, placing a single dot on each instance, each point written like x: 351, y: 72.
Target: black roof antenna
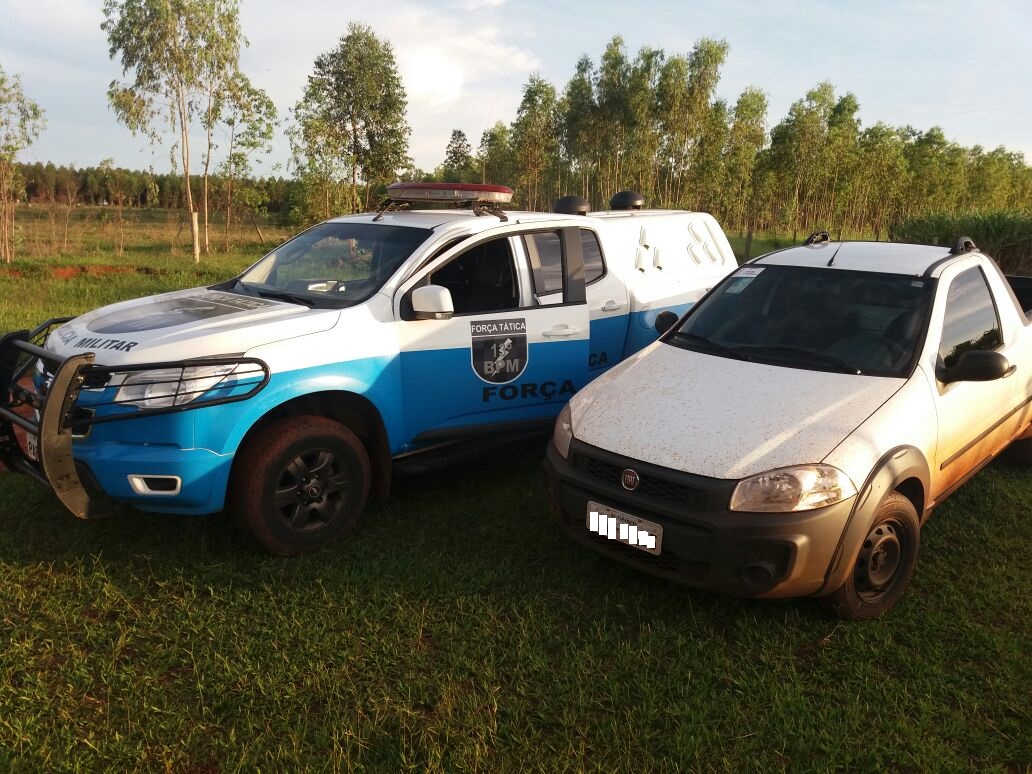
x: 964, y: 244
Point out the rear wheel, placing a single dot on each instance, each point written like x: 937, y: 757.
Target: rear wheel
x: 1020, y: 452
x: 883, y: 565
x: 299, y: 484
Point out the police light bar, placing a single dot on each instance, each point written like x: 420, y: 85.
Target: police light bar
x: 449, y: 192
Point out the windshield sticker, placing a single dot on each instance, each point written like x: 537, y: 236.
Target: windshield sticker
x: 499, y: 349
x: 749, y: 271
x: 738, y: 284
x: 170, y: 312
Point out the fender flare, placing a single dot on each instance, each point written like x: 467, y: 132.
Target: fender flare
x: 895, y: 467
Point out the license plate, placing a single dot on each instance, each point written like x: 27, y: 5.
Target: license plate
x: 630, y: 530
x: 32, y: 446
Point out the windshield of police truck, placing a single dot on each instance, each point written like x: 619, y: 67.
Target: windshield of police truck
x: 332, y: 264
x: 819, y: 319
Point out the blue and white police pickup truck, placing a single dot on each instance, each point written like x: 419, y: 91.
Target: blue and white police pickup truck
x: 406, y: 336
x: 802, y: 421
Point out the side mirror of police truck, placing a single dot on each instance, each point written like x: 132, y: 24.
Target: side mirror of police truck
x: 432, y: 302
x: 976, y: 365
x: 665, y: 321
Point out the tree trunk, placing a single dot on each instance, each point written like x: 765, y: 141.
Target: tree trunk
x: 231, y: 173
x: 254, y: 222
x: 184, y: 147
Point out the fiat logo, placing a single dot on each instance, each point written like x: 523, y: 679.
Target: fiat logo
x: 629, y: 479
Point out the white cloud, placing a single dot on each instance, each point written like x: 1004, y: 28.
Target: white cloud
x: 476, y: 5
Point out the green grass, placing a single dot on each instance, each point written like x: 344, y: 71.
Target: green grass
x: 453, y: 630
x: 458, y: 629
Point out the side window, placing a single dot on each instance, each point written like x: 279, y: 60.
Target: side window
x: 594, y: 265
x: 482, y: 279
x: 545, y: 252
x: 971, y: 321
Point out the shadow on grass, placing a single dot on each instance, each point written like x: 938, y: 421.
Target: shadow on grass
x: 482, y: 529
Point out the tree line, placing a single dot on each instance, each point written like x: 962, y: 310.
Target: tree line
x: 652, y: 122
x: 108, y: 185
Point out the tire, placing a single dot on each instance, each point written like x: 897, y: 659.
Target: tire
x: 299, y: 484
x: 883, y: 565
x: 1020, y: 452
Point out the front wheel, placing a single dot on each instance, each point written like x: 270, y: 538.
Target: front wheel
x: 299, y: 484
x: 883, y: 565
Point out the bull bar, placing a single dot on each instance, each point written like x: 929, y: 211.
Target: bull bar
x: 51, y: 403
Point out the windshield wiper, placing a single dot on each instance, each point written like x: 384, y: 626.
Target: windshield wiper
x: 711, y: 347
x: 836, y: 363
x: 283, y: 295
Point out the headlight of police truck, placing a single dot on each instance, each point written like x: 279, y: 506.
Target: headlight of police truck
x: 799, y: 488
x: 562, y: 434
x: 164, y: 387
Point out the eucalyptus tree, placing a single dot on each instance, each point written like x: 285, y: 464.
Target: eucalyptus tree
x: 351, y: 118
x: 746, y: 138
x: 708, y: 161
x: 579, y: 133
x: 838, y: 163
x: 458, y: 158
x: 642, y: 144
x: 534, y: 140
x: 21, y: 121
x: 170, y: 50
x: 250, y: 120
x: 612, y: 94
x: 797, y: 154
x: 882, y: 177
x: 494, y: 155
x: 686, y: 89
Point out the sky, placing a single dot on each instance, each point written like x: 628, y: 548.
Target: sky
x: 964, y: 66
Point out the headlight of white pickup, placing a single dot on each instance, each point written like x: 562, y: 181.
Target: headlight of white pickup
x: 164, y: 387
x: 799, y: 488
x: 562, y: 434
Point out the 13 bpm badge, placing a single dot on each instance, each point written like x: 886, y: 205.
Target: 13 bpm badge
x: 499, y: 350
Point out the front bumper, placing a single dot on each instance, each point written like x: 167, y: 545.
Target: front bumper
x: 55, y: 399
x: 704, y: 545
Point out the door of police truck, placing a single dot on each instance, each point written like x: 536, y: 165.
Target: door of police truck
x: 512, y: 353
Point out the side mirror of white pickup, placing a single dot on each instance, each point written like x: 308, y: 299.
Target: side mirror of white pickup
x: 432, y: 302
x: 976, y: 365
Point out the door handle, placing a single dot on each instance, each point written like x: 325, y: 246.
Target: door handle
x: 1010, y: 371
x: 611, y: 306
x: 561, y: 331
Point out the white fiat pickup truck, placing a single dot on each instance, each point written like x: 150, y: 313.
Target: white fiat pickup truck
x: 400, y: 337
x: 791, y: 432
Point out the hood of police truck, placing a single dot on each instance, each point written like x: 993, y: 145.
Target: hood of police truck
x: 200, y: 322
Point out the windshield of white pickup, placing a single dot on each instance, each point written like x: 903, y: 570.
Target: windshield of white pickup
x: 332, y: 264
x: 820, y: 319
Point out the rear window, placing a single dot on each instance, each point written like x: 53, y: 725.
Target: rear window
x: 546, y: 260
x: 594, y: 265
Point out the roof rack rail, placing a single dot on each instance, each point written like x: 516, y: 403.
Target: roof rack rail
x: 817, y: 237
x: 964, y: 244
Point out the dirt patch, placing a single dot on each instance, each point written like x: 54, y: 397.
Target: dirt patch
x: 10, y: 273
x: 105, y: 270
x: 96, y: 270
